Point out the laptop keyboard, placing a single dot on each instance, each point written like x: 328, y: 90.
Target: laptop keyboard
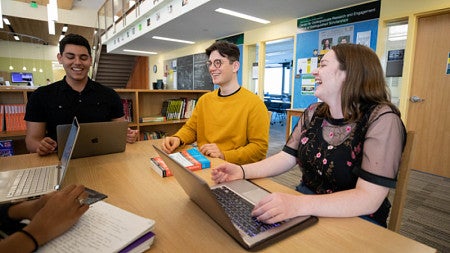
x: 239, y: 210
x: 30, y: 181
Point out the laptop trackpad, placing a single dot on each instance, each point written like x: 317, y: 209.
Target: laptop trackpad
x: 255, y: 195
x: 248, y: 190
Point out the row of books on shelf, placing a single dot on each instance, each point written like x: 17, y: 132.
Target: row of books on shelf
x: 153, y: 135
x: 152, y: 119
x: 12, y: 117
x: 191, y: 158
x: 173, y: 109
x: 105, y: 228
x: 128, y: 109
x: 180, y: 108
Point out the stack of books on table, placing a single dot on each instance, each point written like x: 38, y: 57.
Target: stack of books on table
x: 191, y: 159
x: 105, y: 228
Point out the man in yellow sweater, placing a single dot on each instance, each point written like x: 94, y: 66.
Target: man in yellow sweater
x: 231, y: 122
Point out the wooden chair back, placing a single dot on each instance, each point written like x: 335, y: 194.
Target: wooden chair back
x: 395, y: 217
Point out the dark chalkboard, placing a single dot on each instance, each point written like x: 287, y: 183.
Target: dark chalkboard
x: 185, y: 73
x: 192, y: 73
x: 202, y: 78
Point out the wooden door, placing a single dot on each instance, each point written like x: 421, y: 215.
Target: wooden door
x: 429, y: 115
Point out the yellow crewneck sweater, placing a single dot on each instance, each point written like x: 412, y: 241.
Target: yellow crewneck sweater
x: 239, y: 125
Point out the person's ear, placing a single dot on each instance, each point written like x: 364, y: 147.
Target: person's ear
x: 59, y: 56
x: 236, y: 65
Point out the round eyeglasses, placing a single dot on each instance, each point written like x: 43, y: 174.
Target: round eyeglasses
x: 217, y: 63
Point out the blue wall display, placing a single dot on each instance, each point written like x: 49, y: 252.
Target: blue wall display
x: 357, y: 24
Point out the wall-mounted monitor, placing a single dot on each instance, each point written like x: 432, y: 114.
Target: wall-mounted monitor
x: 21, y: 77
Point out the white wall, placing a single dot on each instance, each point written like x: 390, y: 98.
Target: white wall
x: 28, y: 50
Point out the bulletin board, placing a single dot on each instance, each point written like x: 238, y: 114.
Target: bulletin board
x: 316, y: 34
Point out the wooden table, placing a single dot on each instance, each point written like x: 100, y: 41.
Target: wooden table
x: 289, y: 114
x: 181, y: 226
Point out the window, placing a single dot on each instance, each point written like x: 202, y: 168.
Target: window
x: 273, y: 79
x: 393, y: 57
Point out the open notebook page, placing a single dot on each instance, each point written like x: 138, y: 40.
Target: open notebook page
x: 103, y: 228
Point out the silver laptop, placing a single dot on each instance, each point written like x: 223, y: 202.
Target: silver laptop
x: 16, y: 185
x: 96, y: 138
x: 212, y: 201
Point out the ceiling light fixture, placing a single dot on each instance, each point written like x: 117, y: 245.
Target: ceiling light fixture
x: 173, y: 40
x: 280, y: 41
x: 242, y: 15
x: 6, y: 20
x: 51, y: 27
x: 65, y: 28
x: 275, y: 53
x: 52, y: 15
x: 138, y: 51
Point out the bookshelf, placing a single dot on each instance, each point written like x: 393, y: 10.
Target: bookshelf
x: 144, y: 102
x: 15, y: 95
x: 149, y: 102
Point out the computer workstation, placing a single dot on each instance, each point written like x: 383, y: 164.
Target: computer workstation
x: 131, y: 184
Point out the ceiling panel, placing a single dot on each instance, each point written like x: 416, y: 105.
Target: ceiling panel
x: 38, y: 30
x: 199, y: 25
x: 204, y: 23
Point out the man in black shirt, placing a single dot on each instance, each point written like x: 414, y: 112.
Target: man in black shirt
x: 75, y: 95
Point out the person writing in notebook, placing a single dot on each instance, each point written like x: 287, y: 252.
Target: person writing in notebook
x: 348, y: 147
x: 231, y: 122
x: 50, y: 216
x: 75, y: 95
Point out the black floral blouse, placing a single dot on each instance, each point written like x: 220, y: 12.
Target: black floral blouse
x: 330, y: 152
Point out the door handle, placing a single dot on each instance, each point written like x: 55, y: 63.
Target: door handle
x: 416, y: 99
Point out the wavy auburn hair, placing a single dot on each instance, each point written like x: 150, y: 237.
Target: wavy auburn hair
x: 364, y: 85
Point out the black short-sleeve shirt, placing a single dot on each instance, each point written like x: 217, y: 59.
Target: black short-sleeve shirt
x: 58, y: 103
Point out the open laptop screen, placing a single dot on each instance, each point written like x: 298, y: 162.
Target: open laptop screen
x: 68, y: 148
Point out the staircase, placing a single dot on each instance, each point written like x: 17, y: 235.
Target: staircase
x: 113, y: 70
